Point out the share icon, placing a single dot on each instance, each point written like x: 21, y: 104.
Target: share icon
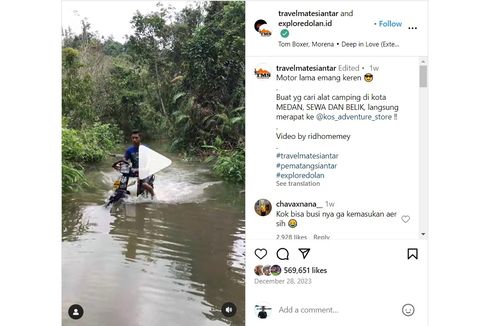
x: 304, y: 252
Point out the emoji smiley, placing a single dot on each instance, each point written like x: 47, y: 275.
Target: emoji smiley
x: 293, y: 223
x: 408, y: 310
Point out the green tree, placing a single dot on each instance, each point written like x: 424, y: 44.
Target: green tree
x: 76, y: 91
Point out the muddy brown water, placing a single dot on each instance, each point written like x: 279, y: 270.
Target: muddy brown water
x: 171, y: 261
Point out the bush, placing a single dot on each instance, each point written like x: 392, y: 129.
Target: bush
x: 88, y: 145
x: 229, y: 164
x: 80, y: 147
x: 73, y: 179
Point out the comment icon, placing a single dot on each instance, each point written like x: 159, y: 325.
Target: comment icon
x: 283, y: 254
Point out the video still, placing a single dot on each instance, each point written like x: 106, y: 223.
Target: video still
x: 153, y: 163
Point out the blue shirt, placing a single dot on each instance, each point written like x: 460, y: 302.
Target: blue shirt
x: 132, y: 154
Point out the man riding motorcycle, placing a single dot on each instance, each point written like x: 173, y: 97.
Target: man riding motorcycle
x: 132, y: 155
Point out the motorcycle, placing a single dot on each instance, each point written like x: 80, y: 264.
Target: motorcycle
x: 120, y: 186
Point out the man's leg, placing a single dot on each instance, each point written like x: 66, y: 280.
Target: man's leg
x: 148, y: 188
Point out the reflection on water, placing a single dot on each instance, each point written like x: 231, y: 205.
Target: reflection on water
x: 175, y: 260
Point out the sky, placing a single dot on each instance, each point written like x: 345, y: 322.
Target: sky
x: 110, y: 17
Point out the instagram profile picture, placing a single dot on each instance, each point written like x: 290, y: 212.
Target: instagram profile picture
x: 262, y: 310
x: 263, y: 207
x: 258, y: 270
x: 267, y: 270
x: 262, y: 28
x: 276, y: 270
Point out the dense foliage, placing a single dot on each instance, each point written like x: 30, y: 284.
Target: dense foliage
x: 82, y: 146
x: 179, y: 76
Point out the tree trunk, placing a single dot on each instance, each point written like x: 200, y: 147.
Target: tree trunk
x: 158, y: 90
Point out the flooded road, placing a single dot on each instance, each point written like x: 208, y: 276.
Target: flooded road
x: 171, y: 261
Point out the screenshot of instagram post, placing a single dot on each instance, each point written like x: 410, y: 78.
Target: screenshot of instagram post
x: 244, y: 163
x: 153, y: 109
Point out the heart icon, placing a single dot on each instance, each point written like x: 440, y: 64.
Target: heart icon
x: 405, y: 218
x: 260, y: 253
